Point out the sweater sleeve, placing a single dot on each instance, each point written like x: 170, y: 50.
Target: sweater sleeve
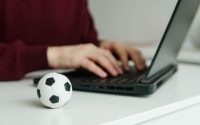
x: 89, y: 32
x: 17, y: 59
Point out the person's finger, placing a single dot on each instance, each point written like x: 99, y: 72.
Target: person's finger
x: 104, y: 62
x: 92, y: 67
x: 113, y: 60
x: 137, y: 58
x: 123, y: 55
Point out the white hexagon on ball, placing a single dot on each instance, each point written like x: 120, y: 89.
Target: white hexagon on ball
x: 54, y: 90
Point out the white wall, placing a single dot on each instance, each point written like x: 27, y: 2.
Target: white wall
x: 132, y: 20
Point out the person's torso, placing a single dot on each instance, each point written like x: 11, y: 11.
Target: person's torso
x: 41, y: 21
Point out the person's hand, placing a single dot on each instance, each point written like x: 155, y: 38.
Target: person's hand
x: 86, y: 56
x: 124, y: 52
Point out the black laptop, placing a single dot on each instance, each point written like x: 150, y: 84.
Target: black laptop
x: 162, y: 67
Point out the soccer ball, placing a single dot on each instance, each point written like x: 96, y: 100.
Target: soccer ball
x: 54, y: 90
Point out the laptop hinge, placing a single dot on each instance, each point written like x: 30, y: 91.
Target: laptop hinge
x: 169, y: 69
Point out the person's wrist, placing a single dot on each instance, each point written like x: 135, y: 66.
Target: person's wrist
x: 52, y: 56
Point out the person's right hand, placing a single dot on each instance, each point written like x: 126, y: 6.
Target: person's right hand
x: 86, y: 56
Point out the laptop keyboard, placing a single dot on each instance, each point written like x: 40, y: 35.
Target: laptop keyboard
x: 85, y: 77
x: 129, y: 77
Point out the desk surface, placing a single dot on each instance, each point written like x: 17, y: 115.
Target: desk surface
x: 20, y: 106
x: 188, y: 116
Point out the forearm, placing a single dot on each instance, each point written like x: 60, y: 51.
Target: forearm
x: 17, y: 59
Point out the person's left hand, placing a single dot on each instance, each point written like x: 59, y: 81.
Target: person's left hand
x: 124, y: 52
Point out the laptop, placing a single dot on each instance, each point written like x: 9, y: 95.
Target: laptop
x: 162, y: 67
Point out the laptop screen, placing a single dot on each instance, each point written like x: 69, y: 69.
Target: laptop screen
x: 174, y: 35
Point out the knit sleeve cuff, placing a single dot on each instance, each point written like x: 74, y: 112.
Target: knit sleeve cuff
x: 34, y: 58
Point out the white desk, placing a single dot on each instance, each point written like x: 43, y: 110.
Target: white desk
x: 188, y: 116
x: 19, y: 104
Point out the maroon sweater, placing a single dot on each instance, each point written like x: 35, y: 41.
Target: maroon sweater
x: 28, y: 27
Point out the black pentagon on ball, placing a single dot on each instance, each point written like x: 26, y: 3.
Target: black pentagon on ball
x: 38, y: 93
x: 67, y: 86
x: 50, y: 81
x: 54, y: 99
